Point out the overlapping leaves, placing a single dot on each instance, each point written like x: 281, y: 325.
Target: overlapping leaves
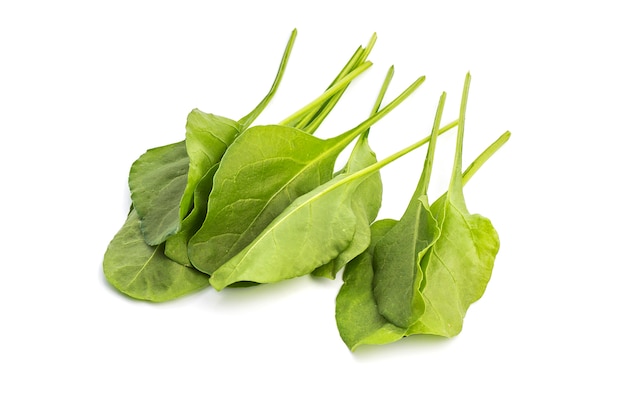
x: 237, y: 203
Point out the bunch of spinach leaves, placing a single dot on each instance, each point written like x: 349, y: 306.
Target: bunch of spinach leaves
x: 147, y: 259
x: 235, y: 204
x: 421, y: 273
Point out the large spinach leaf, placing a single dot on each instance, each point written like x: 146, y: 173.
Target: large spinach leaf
x: 310, y: 232
x: 287, y: 162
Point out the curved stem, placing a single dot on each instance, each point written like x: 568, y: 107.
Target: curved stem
x: 327, y: 94
x: 247, y: 120
x: 484, y: 156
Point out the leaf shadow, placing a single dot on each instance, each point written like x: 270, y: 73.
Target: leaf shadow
x: 414, y: 344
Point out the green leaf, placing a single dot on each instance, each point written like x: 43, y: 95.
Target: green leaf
x: 144, y: 272
x: 459, y: 265
x: 262, y: 172
x: 366, y: 201
x: 207, y: 137
x: 356, y: 312
x: 176, y: 245
x: 455, y: 269
x: 310, y: 232
x: 157, y: 183
x: 367, y: 198
x: 397, y: 274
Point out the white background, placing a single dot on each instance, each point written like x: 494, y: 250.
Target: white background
x: 86, y: 87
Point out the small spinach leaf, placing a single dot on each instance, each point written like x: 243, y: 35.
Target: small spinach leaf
x: 356, y: 313
x: 157, y: 181
x: 458, y: 266
x: 397, y: 274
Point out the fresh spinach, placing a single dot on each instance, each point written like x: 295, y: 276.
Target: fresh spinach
x: 160, y: 178
x: 162, y: 192
x: 458, y: 266
x: 366, y: 199
x: 447, y: 277
x: 396, y: 259
x: 287, y: 162
x: 310, y: 232
x: 236, y: 204
x: 177, y: 245
x: 358, y: 320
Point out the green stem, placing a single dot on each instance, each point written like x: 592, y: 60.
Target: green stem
x: 314, y: 119
x: 247, y: 120
x: 379, y: 99
x: 327, y: 94
x: 484, y: 156
x: 422, y: 186
x: 457, y: 172
x: 348, y: 136
x: 378, y: 165
x: 310, y: 122
x: 328, y: 106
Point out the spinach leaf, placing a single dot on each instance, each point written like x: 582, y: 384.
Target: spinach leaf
x: 396, y: 259
x: 455, y: 268
x: 287, y: 162
x: 144, y: 272
x: 356, y: 312
x: 157, y: 181
x: 458, y: 266
x: 176, y: 245
x: 310, y: 232
x: 367, y: 198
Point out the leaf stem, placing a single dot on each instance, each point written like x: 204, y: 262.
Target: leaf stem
x: 379, y: 99
x: 247, y: 120
x: 354, y: 132
x: 422, y: 186
x: 378, y: 165
x: 327, y: 94
x: 360, y: 56
x: 310, y: 122
x: 484, y: 156
x: 457, y: 172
